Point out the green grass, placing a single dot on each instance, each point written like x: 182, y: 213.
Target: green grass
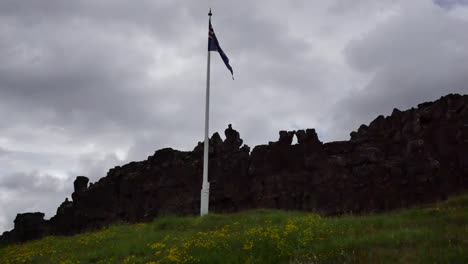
x: 437, y: 233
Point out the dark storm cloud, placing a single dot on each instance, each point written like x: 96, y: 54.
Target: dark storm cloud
x: 118, y: 13
x: 417, y: 56
x: 450, y: 3
x: 60, y: 73
x: 85, y: 62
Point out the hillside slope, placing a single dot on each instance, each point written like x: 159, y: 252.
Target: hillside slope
x: 437, y: 233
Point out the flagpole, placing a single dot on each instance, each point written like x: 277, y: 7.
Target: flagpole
x: 205, y: 191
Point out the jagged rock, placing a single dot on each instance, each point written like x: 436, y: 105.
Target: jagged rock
x: 64, y: 206
x: 245, y: 148
x: 233, y: 140
x: 285, y: 137
x: 215, y: 143
x: 80, y: 184
x: 216, y: 140
x: 411, y: 157
x: 308, y: 136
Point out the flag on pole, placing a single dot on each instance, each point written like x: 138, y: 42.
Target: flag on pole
x: 213, y: 45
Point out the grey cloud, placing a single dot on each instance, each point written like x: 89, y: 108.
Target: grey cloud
x: 114, y: 13
x: 450, y: 3
x: 3, y: 152
x: 33, y: 182
x: 96, y: 166
x: 25, y: 192
x: 341, y: 7
x: 414, y: 57
x: 69, y: 77
x: 21, y: 156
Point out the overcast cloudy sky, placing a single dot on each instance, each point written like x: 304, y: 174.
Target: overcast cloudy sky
x: 86, y: 85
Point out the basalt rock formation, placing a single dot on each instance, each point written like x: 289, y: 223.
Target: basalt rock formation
x: 410, y: 157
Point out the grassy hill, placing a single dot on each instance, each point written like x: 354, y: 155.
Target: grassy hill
x: 436, y: 233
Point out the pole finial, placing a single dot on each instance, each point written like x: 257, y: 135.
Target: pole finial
x: 210, y: 14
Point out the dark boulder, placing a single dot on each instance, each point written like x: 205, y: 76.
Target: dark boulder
x: 28, y: 226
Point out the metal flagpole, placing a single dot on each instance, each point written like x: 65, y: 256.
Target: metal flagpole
x: 205, y: 191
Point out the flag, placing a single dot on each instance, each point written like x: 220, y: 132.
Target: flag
x: 213, y: 45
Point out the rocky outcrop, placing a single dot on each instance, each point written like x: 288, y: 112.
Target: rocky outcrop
x: 410, y: 157
x: 28, y: 226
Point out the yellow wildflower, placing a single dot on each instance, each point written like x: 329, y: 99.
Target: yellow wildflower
x: 248, y: 245
x: 157, y: 245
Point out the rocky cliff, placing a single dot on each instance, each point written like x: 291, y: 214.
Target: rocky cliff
x: 410, y: 157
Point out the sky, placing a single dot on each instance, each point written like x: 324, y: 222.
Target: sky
x: 87, y: 85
